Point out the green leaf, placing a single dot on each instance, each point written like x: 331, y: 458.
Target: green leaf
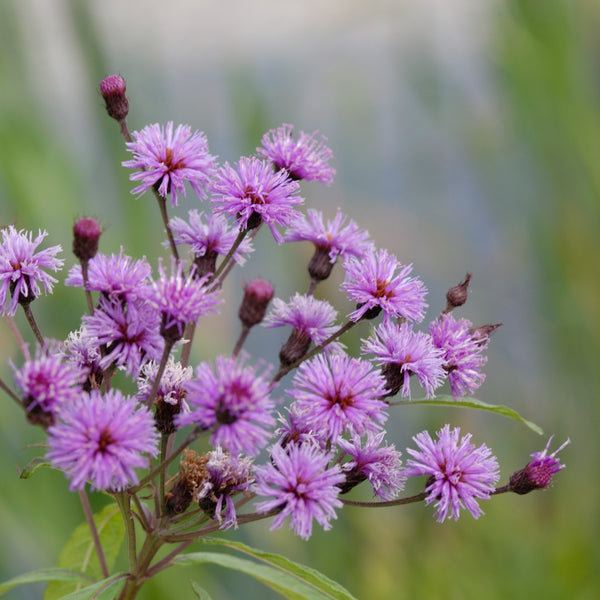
x: 290, y: 579
x: 474, y: 403
x: 44, y: 575
x: 80, y: 552
x: 106, y: 589
x: 201, y: 593
x: 32, y: 466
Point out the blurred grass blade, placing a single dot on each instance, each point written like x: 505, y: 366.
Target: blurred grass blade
x: 52, y: 574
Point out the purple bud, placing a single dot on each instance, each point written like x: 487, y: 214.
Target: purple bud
x: 457, y: 295
x: 112, y: 89
x: 320, y: 265
x: 86, y: 233
x: 257, y: 295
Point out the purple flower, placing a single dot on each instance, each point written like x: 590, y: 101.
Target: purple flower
x: 458, y: 472
x: 312, y: 321
x: 404, y: 352
x: 171, y: 387
x: 295, y: 430
x: 463, y: 353
x: 227, y: 476
x: 306, y: 158
x: 180, y: 299
x: 252, y: 193
x: 299, y: 482
x: 83, y: 351
x: 45, y: 383
x: 372, y: 282
x: 338, y: 393
x: 212, y: 237
x: 539, y: 472
x: 167, y: 160
x: 380, y: 464
x: 118, y: 275
x: 233, y: 401
x: 22, y: 272
x: 102, y: 438
x: 129, y: 333
x: 336, y: 238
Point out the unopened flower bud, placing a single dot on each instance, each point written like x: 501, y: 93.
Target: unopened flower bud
x: 457, y: 295
x: 257, y: 295
x: 538, y: 473
x: 86, y: 233
x: 112, y: 89
x: 320, y: 264
x: 482, y: 333
x: 295, y: 348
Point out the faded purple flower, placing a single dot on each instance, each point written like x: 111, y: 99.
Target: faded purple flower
x: 539, y: 472
x: 83, y: 351
x: 374, y: 461
x: 171, y: 388
x: 45, y: 383
x: 168, y: 159
x: 102, y: 439
x: 118, y: 275
x: 307, y: 158
x: 252, y: 193
x: 209, y: 238
x: 404, y: 352
x: 233, y: 401
x: 294, y: 429
x: 374, y: 284
x: 337, y: 394
x: 299, y: 482
x: 22, y: 274
x: 180, y: 299
x: 129, y: 333
x: 227, y: 476
x: 463, y: 356
x: 459, y: 473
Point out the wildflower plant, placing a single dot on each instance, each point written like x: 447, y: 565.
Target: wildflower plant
x: 196, y: 449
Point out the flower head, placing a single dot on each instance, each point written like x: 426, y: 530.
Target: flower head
x: 305, y: 158
x: 404, y: 352
x: 45, y: 383
x: 372, y: 282
x: 117, y: 276
x: 103, y: 439
x: 83, y: 351
x: 22, y: 274
x: 373, y: 461
x: 168, y: 159
x: 233, y: 401
x: 463, y: 356
x: 180, y: 299
x: 539, y: 472
x: 459, y: 473
x: 299, y: 482
x: 338, y: 393
x: 252, y: 193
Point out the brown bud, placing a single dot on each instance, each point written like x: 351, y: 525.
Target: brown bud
x: 320, y: 264
x: 86, y: 233
x: 457, y: 295
x: 257, y: 295
x: 112, y: 89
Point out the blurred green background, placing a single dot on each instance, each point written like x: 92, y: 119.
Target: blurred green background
x: 466, y: 137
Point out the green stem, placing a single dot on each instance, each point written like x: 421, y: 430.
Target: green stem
x: 398, y: 502
x: 33, y: 324
x: 214, y: 280
x: 87, y: 509
x: 162, y: 205
x: 88, y: 294
x: 123, y: 501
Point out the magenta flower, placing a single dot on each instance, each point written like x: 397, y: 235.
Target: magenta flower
x: 227, y: 476
x: 118, y: 275
x: 307, y: 158
x: 102, y: 439
x: 404, y: 352
x: 45, y: 383
x: 22, y: 274
x: 234, y: 402
x: 252, y: 193
x: 168, y: 159
x: 300, y: 484
x: 463, y: 356
x: 83, y: 351
x: 294, y: 429
x: 211, y: 237
x: 338, y: 393
x: 372, y: 282
x: 129, y: 333
x: 539, y: 472
x: 180, y: 299
x: 459, y: 473
x: 378, y: 463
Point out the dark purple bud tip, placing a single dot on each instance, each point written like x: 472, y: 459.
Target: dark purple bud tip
x: 112, y: 89
x: 86, y: 233
x: 457, y: 295
x: 257, y: 295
